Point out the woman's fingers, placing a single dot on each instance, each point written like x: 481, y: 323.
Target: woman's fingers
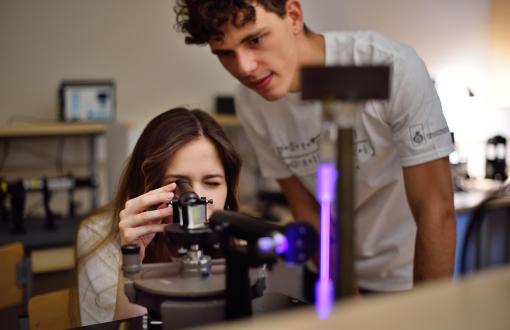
x: 143, y: 215
x: 150, y: 198
x: 166, y: 188
x: 131, y: 235
x: 145, y: 201
x: 147, y: 217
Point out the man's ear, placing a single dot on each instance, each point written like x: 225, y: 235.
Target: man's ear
x: 294, y: 13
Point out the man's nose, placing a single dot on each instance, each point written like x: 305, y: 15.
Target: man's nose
x: 246, y: 63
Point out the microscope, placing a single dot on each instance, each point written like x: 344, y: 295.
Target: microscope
x: 197, y: 289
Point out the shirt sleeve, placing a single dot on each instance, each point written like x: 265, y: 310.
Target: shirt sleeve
x: 97, y: 275
x: 419, y: 129
x: 256, y: 128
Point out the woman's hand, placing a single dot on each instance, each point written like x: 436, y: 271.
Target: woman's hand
x: 144, y: 216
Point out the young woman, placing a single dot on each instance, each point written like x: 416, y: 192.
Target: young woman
x: 178, y: 143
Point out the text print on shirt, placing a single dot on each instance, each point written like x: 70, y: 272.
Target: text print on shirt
x: 302, y: 158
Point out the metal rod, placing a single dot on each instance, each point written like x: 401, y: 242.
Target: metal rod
x: 345, y: 275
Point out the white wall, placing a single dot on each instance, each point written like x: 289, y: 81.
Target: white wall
x: 442, y: 31
x: 130, y: 41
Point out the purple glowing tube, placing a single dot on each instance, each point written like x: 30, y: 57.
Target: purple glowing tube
x: 324, y: 290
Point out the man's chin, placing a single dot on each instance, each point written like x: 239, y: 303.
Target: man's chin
x: 270, y: 96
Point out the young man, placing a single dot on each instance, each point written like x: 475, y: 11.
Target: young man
x: 404, y: 200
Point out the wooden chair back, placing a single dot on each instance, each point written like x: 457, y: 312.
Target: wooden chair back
x: 10, y: 293
x: 50, y: 311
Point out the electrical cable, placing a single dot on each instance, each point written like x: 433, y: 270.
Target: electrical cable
x: 59, y: 161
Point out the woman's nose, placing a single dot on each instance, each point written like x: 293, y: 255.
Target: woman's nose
x: 198, y: 190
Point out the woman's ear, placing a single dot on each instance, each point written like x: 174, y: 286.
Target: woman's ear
x: 295, y: 16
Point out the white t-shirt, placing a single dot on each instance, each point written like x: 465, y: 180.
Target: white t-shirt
x: 406, y: 130
x: 98, y: 274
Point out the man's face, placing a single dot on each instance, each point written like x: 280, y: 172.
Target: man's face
x: 262, y: 55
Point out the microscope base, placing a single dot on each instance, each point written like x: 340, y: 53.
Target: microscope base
x: 178, y: 316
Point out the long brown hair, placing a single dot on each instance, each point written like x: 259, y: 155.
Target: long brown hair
x: 162, y: 137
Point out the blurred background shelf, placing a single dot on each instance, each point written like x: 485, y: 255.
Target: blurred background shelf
x: 20, y: 130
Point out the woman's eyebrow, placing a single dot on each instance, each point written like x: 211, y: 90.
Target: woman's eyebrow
x: 177, y: 176
x: 214, y: 176
x: 185, y: 177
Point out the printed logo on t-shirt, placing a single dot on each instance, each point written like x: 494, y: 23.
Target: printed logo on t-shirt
x: 302, y: 158
x: 364, y: 150
x: 417, y: 135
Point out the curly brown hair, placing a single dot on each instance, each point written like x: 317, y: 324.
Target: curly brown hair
x: 201, y: 19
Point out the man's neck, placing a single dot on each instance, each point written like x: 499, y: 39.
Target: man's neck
x: 312, y: 49
x: 312, y: 52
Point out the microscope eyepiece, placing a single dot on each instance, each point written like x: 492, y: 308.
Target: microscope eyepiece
x: 185, y: 192
x: 190, y: 210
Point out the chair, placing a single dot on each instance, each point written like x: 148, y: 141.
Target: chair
x: 487, y: 239
x: 15, y: 284
x: 10, y: 255
x: 50, y: 311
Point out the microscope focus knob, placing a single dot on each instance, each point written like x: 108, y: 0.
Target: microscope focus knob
x: 131, y: 258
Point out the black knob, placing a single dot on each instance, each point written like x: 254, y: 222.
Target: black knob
x: 130, y: 249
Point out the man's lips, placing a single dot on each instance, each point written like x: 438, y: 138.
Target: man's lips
x: 261, y: 83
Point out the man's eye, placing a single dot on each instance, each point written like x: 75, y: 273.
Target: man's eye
x: 223, y: 54
x: 256, y: 40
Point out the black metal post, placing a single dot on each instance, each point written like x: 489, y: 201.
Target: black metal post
x: 345, y: 276
x: 238, y: 299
